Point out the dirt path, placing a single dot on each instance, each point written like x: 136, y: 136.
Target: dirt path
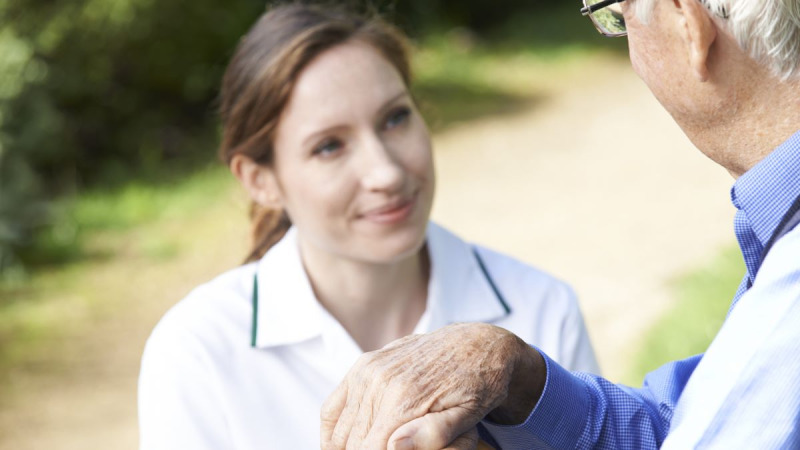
x: 617, y: 215
x: 598, y: 186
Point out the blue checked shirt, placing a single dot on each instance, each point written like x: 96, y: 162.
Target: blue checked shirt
x: 743, y: 392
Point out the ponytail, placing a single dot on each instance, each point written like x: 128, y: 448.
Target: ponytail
x: 269, y: 226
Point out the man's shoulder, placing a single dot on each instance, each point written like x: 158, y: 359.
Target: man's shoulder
x: 789, y: 222
x: 782, y: 261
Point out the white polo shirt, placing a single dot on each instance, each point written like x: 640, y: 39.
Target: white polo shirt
x: 225, y: 369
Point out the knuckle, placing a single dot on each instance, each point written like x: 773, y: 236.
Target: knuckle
x: 438, y: 436
x: 339, y: 439
x: 361, y: 364
x: 327, y: 413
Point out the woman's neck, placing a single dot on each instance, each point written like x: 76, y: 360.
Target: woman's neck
x: 375, y: 303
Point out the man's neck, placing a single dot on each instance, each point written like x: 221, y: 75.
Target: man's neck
x: 758, y: 122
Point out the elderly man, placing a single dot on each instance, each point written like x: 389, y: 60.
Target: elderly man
x: 729, y: 73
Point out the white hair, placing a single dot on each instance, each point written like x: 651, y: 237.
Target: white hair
x: 769, y: 30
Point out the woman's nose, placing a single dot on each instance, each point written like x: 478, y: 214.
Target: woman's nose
x: 382, y: 171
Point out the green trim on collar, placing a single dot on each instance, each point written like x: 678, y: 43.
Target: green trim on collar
x: 254, y: 331
x: 489, y: 279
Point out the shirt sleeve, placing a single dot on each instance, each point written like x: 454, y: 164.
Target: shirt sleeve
x: 581, y: 410
x: 746, y: 389
x: 178, y: 405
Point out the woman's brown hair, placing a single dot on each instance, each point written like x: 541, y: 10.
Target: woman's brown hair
x: 260, y: 77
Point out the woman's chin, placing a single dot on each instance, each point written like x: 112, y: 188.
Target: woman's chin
x: 394, y: 248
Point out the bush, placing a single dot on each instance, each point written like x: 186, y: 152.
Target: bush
x: 93, y: 92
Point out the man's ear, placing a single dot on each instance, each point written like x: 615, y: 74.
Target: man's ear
x: 259, y: 181
x: 699, y: 33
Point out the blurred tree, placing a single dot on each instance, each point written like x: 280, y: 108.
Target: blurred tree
x: 92, y: 90
x: 113, y: 83
x: 477, y: 15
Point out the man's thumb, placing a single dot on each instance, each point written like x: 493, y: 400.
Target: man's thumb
x: 433, y: 431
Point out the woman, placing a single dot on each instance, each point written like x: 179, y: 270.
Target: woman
x: 320, y: 129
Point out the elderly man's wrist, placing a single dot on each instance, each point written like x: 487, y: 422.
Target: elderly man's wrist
x: 525, y: 386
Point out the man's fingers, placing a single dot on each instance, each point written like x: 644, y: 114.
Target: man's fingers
x: 389, y: 410
x: 329, y: 415
x: 400, y: 341
x: 460, y: 371
x: 367, y: 413
x: 434, y: 431
x: 348, y: 418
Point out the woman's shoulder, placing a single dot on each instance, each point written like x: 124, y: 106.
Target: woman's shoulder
x: 524, y: 282
x: 220, y: 308
x: 520, y: 280
x: 512, y: 268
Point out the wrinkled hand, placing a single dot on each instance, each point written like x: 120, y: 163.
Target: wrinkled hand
x: 429, y: 391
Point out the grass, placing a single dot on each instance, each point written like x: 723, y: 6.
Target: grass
x: 137, y: 225
x: 457, y: 83
x: 461, y: 75
x: 458, y: 79
x: 702, y: 301
x: 71, y: 238
x: 137, y: 203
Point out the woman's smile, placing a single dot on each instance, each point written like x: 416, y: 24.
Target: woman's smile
x: 392, y: 212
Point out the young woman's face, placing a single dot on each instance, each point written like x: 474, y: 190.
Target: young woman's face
x: 353, y: 158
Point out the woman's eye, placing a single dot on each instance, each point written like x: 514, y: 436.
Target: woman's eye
x: 397, y: 117
x: 327, y: 147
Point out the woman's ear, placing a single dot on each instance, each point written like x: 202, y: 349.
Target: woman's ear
x: 258, y: 180
x: 700, y: 31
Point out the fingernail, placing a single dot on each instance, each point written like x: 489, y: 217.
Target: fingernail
x: 406, y: 443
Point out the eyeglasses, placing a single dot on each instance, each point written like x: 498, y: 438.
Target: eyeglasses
x: 606, y: 15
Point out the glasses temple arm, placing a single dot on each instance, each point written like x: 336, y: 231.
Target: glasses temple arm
x: 586, y: 10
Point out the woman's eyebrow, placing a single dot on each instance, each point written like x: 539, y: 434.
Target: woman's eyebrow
x: 386, y: 105
x: 315, y: 135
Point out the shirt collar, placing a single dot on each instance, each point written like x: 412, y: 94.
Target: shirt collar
x: 289, y: 313
x: 765, y: 192
x: 460, y: 289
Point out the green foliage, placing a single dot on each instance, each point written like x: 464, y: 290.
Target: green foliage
x: 481, y: 16
x: 100, y: 211
x: 113, y: 83
x: 140, y: 202
x: 121, y: 233
x: 22, y: 210
x: 454, y: 81
x: 94, y: 92
x: 703, y: 299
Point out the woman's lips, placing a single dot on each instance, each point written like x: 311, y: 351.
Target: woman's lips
x: 392, y: 213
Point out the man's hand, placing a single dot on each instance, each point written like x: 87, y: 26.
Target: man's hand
x: 429, y: 391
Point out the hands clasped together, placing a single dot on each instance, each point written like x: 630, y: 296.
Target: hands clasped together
x: 430, y: 391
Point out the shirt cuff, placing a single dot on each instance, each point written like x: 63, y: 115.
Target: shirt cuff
x: 557, y: 421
